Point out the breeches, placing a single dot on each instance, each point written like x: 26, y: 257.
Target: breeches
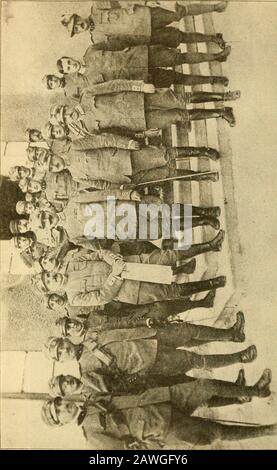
x: 173, y: 361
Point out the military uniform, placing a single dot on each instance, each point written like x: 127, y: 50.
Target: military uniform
x: 135, y: 63
x: 132, y: 109
x: 160, y: 416
x: 73, y: 85
x: 61, y: 187
x: 134, y: 25
x: 89, y: 281
x: 112, y: 164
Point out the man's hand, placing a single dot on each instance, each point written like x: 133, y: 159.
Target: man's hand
x: 135, y: 196
x: 118, y: 267
x: 131, y: 443
x: 153, y: 4
x: 152, y: 323
x: 148, y: 88
x: 128, y: 186
x: 133, y: 145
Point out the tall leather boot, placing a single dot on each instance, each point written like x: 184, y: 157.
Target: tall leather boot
x: 205, y: 221
x: 225, y: 113
x: 200, y: 248
x: 190, y: 288
x: 200, y: 8
x: 197, y: 152
x: 206, y: 211
x: 213, y: 361
x: 206, y: 96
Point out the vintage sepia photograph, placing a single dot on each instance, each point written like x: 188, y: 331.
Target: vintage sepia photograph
x: 138, y: 225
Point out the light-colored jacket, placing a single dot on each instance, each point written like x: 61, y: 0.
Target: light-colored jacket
x: 90, y: 280
x: 133, y: 22
x: 74, y: 85
x: 124, y: 97
x: 103, y: 66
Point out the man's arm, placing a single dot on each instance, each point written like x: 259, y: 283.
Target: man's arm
x: 98, y: 196
x: 100, y: 296
x: 119, y: 85
x: 99, y: 184
x: 105, y: 42
x: 105, y: 140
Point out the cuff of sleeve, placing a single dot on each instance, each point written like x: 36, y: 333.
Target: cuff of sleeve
x: 139, y: 86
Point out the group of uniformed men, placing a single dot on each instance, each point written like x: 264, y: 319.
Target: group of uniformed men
x: 133, y: 390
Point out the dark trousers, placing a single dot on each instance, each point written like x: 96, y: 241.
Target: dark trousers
x: 171, y: 361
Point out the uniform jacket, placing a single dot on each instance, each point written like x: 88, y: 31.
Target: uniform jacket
x: 80, y: 216
x: 74, y: 83
x: 60, y: 187
x: 110, y: 164
x: 103, y: 66
x: 124, y: 97
x: 149, y: 422
x: 133, y: 353
x: 132, y: 23
x: 90, y: 281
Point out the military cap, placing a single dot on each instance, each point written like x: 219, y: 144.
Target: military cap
x: 47, y: 131
x: 13, y: 173
x: 55, y: 388
x: 61, y: 325
x: 38, y: 283
x: 16, y: 240
x: 49, y: 414
x: 20, y: 207
x: 45, y: 80
x: 31, y: 153
x: 23, y: 184
x: 51, y: 347
x: 69, y: 22
x: 56, y: 114
x: 14, y: 227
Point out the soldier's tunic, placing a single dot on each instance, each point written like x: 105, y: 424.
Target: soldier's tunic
x: 115, y: 165
x: 90, y: 282
x: 102, y: 214
x: 133, y: 22
x: 60, y: 187
x: 132, y: 109
x: 158, y: 416
x: 74, y: 84
x: 103, y: 66
x: 133, y: 351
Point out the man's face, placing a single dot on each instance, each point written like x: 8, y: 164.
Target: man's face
x: 24, y: 243
x: 66, y: 411
x: 70, y: 65
x: 35, y: 135
x: 53, y: 82
x: 73, y: 327
x: 41, y: 158
x: 55, y: 301
x: 31, y: 155
x: 47, y: 220
x: 81, y: 25
x: 23, y: 225
x: 49, y: 264
x: 58, y: 132
x: 53, y: 281
x: 66, y: 351
x: 56, y: 164
x: 69, y: 384
x: 23, y: 172
x: 34, y: 186
x: 29, y: 207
